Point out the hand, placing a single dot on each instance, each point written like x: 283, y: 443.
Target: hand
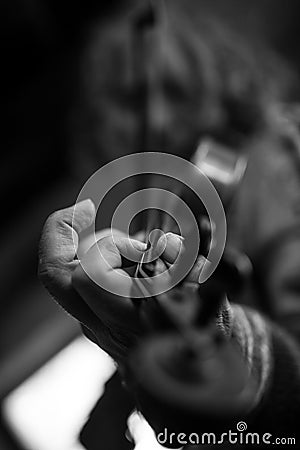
x: 109, y: 320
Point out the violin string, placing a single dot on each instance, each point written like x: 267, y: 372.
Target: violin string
x: 155, y: 218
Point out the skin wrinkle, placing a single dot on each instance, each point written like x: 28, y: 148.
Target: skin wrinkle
x: 224, y: 320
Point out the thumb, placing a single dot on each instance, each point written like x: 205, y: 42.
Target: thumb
x: 57, y: 250
x: 59, y: 240
x: 58, y: 246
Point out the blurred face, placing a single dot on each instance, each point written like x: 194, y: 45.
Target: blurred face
x: 142, y: 93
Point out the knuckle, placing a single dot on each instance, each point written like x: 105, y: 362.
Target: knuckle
x: 58, y: 218
x: 47, y: 272
x: 54, y: 217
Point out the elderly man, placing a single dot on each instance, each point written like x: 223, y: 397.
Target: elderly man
x: 162, y: 80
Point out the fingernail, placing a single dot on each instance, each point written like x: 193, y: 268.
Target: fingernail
x: 174, y: 235
x: 139, y: 245
x: 86, y: 204
x: 87, y: 200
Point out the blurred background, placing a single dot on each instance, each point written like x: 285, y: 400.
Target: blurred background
x: 43, y: 49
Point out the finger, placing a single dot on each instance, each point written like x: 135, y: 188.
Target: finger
x: 102, y: 282
x: 195, y: 273
x: 88, y: 241
x: 173, y: 247
x: 57, y: 249
x: 140, y: 236
x: 59, y: 241
x: 172, y: 254
x: 113, y: 248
